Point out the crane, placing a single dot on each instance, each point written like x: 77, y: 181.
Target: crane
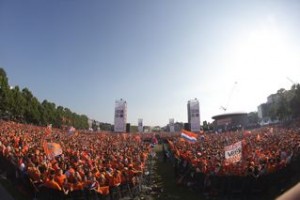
x: 224, y: 108
x: 290, y: 80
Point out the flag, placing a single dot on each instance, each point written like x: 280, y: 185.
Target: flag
x: 258, y: 137
x: 233, y: 153
x: 189, y: 136
x: 52, y: 149
x: 71, y: 131
x: 48, y: 130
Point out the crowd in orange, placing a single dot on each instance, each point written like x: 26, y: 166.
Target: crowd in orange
x: 94, y: 161
x: 104, y: 161
x: 264, y: 151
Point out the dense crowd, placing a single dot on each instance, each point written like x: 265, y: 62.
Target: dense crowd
x: 99, y: 162
x: 105, y: 162
x: 264, y: 151
x: 267, y: 165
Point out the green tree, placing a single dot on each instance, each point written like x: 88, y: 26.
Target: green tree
x: 4, y: 94
x: 295, y: 101
x: 272, y: 111
x: 253, y: 118
x: 23, y: 106
x: 32, y: 107
x: 17, y: 104
x: 205, y: 126
x: 60, y: 116
x: 283, y: 108
x: 49, y: 113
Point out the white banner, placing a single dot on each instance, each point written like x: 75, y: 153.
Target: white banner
x: 233, y: 153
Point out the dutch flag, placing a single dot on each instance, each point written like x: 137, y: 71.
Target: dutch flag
x: 189, y: 136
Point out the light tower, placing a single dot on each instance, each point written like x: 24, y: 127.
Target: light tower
x: 120, y: 116
x: 193, y: 115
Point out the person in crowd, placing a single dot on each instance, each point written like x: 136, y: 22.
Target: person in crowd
x: 108, y: 160
x: 87, y: 161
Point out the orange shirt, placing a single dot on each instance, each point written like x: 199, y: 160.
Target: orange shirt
x: 52, y: 184
x: 103, y: 190
x: 60, y: 179
x: 77, y: 186
x: 110, y: 180
x: 117, y: 178
x: 86, y: 183
x: 97, y: 174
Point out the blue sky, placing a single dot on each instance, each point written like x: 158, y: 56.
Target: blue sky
x: 157, y: 55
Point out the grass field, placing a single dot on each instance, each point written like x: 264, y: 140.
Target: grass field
x: 168, y: 182
x: 173, y: 191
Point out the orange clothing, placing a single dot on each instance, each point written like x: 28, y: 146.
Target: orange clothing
x: 97, y: 174
x: 87, y: 183
x: 52, y: 184
x: 60, y: 179
x: 77, y: 186
x: 103, y: 190
x: 117, y: 179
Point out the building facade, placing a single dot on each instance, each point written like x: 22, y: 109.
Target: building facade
x: 193, y: 115
x: 120, y: 116
x: 230, y: 121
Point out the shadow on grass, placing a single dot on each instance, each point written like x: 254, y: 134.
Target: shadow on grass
x: 171, y: 190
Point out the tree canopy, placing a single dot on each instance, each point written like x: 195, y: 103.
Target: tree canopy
x: 22, y: 106
x: 288, y: 104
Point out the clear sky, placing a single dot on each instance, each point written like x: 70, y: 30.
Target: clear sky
x: 156, y: 54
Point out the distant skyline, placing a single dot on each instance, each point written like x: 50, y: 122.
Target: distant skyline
x: 156, y: 55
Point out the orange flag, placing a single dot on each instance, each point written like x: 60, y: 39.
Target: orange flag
x: 52, y: 149
x: 258, y: 137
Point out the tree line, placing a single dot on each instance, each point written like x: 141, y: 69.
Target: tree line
x: 21, y: 106
x: 286, y: 105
